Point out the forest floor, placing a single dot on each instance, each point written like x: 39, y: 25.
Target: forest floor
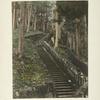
x: 29, y: 73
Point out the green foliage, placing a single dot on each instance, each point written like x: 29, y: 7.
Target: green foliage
x: 74, y: 9
x: 61, y: 52
x: 28, y: 69
x: 15, y: 38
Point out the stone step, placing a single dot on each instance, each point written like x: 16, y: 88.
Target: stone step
x: 64, y: 96
x: 56, y: 81
x: 64, y: 90
x: 56, y: 73
x: 58, y: 78
x: 63, y: 87
x: 62, y: 84
x: 64, y: 93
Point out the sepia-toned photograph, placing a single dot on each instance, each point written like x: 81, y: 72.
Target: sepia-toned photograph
x: 50, y: 49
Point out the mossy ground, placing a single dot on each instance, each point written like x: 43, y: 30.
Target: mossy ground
x: 28, y: 71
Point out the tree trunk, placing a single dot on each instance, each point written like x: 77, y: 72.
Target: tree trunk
x: 77, y: 40
x: 85, y: 36
x: 13, y: 16
x: 71, y: 41
x: 74, y: 42
x: 26, y: 18
x: 57, y: 30
x: 35, y: 23
x: 43, y: 26
x: 56, y: 38
x: 60, y: 27
x: 21, y: 34
x: 85, y: 28
x: 29, y: 16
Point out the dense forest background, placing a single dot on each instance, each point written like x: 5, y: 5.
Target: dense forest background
x: 67, y: 24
